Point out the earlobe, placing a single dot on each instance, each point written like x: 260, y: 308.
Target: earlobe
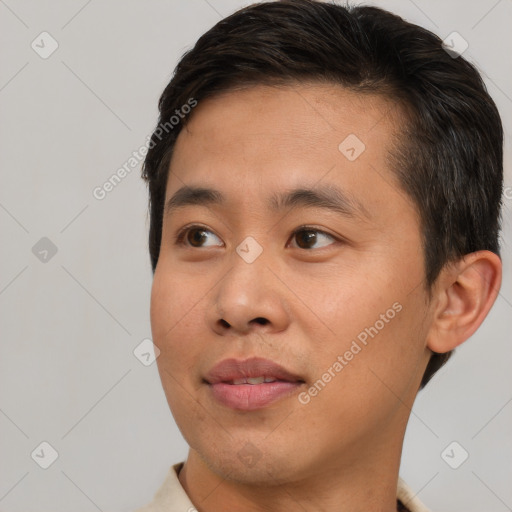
x: 465, y: 292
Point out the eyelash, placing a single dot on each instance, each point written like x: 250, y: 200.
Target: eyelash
x: 179, y: 240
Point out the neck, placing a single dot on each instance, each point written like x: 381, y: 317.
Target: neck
x: 367, y: 482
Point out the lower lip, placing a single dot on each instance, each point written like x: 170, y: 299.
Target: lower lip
x: 248, y: 397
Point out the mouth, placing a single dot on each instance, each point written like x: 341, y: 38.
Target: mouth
x: 251, y: 384
x: 253, y: 380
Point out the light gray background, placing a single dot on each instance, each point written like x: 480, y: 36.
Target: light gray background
x: 70, y: 325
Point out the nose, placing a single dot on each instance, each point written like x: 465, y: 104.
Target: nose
x: 249, y: 298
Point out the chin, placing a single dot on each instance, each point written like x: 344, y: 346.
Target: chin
x: 244, y: 462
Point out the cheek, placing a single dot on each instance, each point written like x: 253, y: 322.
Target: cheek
x: 161, y: 308
x: 175, y: 328
x: 369, y: 386
x: 177, y: 315
x: 172, y: 301
x: 375, y: 326
x: 172, y: 333
x: 346, y: 306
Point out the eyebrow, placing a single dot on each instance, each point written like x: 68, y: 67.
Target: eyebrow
x: 327, y: 197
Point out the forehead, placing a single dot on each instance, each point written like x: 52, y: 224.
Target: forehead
x: 272, y: 138
x: 287, y: 122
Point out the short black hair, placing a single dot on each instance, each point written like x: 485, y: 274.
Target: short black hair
x: 449, y: 159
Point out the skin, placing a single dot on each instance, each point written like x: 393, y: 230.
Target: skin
x: 316, y: 298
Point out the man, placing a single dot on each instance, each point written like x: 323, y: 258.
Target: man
x: 325, y: 186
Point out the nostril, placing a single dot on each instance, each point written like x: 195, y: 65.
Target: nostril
x: 260, y: 320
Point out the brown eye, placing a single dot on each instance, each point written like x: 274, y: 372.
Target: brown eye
x: 194, y: 236
x: 307, y: 237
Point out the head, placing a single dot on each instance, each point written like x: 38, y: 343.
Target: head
x: 315, y: 96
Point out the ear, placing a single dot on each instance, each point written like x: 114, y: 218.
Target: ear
x: 464, y: 293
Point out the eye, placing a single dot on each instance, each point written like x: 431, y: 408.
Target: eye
x: 307, y: 235
x: 193, y: 236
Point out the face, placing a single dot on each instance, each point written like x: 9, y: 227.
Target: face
x: 303, y: 272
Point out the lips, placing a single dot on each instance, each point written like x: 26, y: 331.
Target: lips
x: 230, y: 370
x: 251, y: 384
